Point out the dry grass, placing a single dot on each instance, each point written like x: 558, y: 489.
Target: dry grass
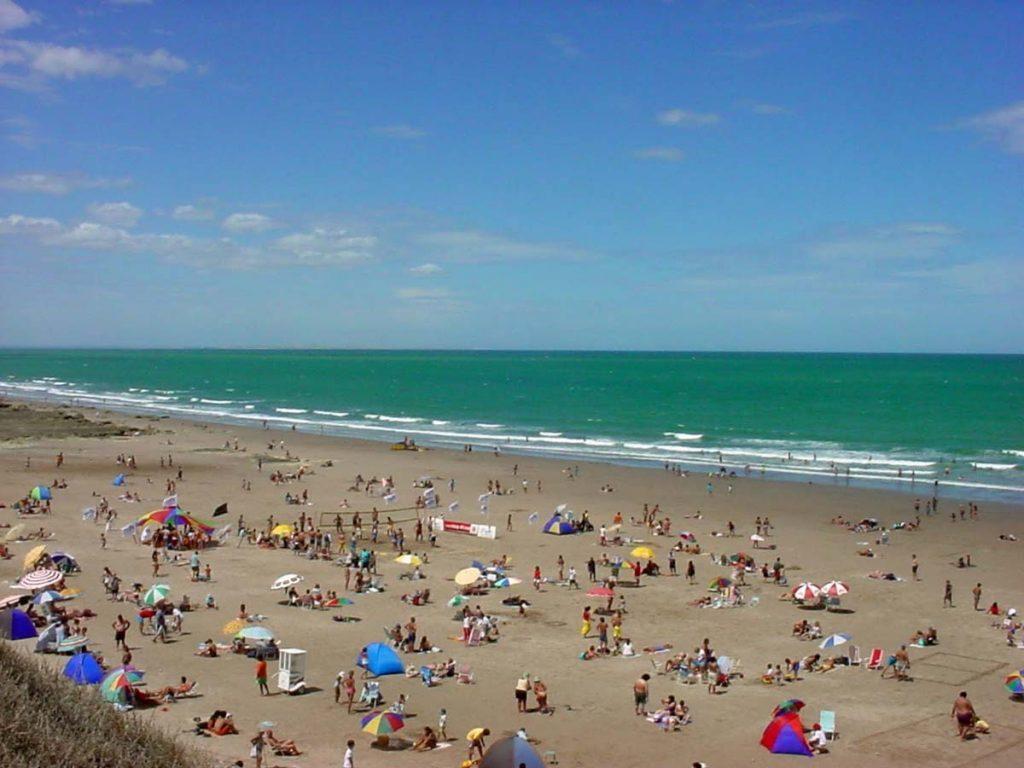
x: 48, y: 722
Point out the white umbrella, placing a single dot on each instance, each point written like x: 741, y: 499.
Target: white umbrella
x: 756, y: 537
x: 806, y: 591
x: 288, y: 580
x: 835, y: 640
x: 39, y: 579
x: 835, y: 588
x: 467, y: 576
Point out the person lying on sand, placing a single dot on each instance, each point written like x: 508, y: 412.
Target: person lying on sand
x: 285, y: 747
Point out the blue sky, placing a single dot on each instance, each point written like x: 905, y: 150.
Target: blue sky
x: 646, y: 175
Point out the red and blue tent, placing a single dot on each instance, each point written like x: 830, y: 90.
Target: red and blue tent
x: 785, y: 736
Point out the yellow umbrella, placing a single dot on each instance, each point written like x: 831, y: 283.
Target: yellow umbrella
x: 467, y: 576
x: 234, y: 626
x: 282, y: 530
x: 15, y: 532
x: 33, y: 555
x: 644, y: 553
x: 409, y: 559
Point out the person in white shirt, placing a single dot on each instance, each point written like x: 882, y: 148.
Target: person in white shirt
x: 816, y: 739
x: 349, y: 761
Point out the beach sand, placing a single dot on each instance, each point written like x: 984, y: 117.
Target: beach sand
x: 882, y: 722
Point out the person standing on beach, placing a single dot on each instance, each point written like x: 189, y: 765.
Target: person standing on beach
x: 947, y: 599
x: 261, y: 676
x: 977, y: 595
x: 691, y: 571
x: 585, y: 627
x: 641, y: 691
x: 349, y: 761
x: 121, y: 626
x: 592, y: 569
x: 522, y: 688
x: 963, y: 711
x: 913, y: 566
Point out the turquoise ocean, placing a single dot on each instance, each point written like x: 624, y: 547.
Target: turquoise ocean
x: 896, y: 421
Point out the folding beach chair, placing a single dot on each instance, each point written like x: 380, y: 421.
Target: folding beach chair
x: 465, y: 674
x: 854, y: 655
x: 827, y: 720
x: 876, y: 659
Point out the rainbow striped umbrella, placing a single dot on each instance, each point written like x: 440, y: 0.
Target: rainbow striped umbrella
x: 115, y: 686
x: 1015, y: 683
x: 719, y: 583
x: 381, y: 723
x: 175, y: 516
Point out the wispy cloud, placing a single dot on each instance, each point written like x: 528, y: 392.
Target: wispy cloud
x: 1003, y: 127
x: 687, y: 119
x: 322, y: 247
x: 16, y: 224
x: 661, y: 154
x: 477, y: 246
x: 900, y: 241
x: 58, y: 183
x: 400, y: 131
x: 13, y: 16
x: 426, y: 270
x: 30, y: 66
x: 192, y: 213
x: 19, y: 130
x: 804, y: 20
x: 248, y: 222
x: 121, y: 214
x: 564, y: 45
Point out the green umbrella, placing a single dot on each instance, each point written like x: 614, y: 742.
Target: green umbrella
x: 156, y: 593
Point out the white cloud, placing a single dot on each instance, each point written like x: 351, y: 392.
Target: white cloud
x: 662, y: 154
x: 58, y: 183
x: 16, y: 224
x: 93, y: 236
x: 687, y: 119
x: 564, y: 45
x: 1004, y: 127
x: 36, y: 62
x: 325, y: 247
x: 476, y: 246
x: 248, y: 222
x: 116, y: 214
x: 901, y: 241
x: 192, y: 213
x: 423, y: 294
x: 13, y: 16
x: 425, y: 270
x: 400, y: 131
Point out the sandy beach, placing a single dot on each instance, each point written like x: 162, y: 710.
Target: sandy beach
x: 881, y: 722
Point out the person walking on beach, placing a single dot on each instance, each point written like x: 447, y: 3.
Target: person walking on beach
x: 522, y: 688
x: 691, y: 572
x: 641, y: 690
x: 977, y: 595
x: 121, y: 626
x: 573, y: 583
x: 261, y: 676
x: 160, y: 620
x: 349, y: 761
x: 913, y: 567
x: 585, y: 628
x: 592, y: 569
x: 947, y: 599
x: 963, y: 711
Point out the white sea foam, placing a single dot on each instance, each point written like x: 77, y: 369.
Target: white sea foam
x: 997, y: 467
x: 400, y: 419
x: 339, y: 414
x: 215, y: 402
x: 484, y: 425
x: 550, y: 434
x: 439, y: 422
x: 683, y: 435
x: 291, y: 410
x: 1011, y: 452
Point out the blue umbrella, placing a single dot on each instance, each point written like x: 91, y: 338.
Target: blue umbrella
x: 511, y: 752
x: 40, y: 493
x: 83, y: 669
x: 119, y: 480
x: 16, y: 625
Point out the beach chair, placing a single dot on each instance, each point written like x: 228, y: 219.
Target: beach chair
x: 827, y: 720
x: 550, y: 757
x: 854, y: 656
x: 876, y: 659
x: 465, y: 675
x: 654, y: 666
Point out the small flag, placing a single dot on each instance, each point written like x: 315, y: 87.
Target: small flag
x: 171, y: 501
x: 221, y: 510
x: 453, y: 507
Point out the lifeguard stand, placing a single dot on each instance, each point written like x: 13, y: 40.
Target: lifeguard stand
x: 291, y: 670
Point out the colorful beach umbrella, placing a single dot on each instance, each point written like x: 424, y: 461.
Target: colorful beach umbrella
x: 687, y: 536
x: 511, y: 752
x: 83, y: 669
x: 644, y: 553
x: 234, y: 626
x: 789, y: 705
x: 156, y: 594
x: 16, y: 625
x: 258, y: 634
x: 11, y: 600
x: 1014, y: 683
x: 40, y: 493
x: 600, y: 592
x: 785, y: 736
x: 48, y: 596
x: 175, y: 516
x: 117, y: 684
x: 282, y: 529
x: 719, y: 583
x: 72, y: 644
x: 806, y: 591
x: 833, y: 641
x: 835, y: 588
x: 556, y: 526
x: 382, y: 723
x: 409, y: 559
x: 40, y: 579
x: 467, y: 576
x: 32, y: 556
x: 286, y: 581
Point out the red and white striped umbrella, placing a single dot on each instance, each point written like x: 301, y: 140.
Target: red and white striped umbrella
x: 39, y: 579
x: 806, y: 591
x: 835, y: 589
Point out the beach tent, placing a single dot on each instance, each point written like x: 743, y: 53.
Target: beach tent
x: 382, y: 660
x: 65, y: 562
x: 119, y: 480
x: 83, y: 669
x: 40, y: 493
x: 16, y: 625
x: 785, y: 736
x: 1014, y: 683
x: 557, y: 526
x: 511, y: 752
